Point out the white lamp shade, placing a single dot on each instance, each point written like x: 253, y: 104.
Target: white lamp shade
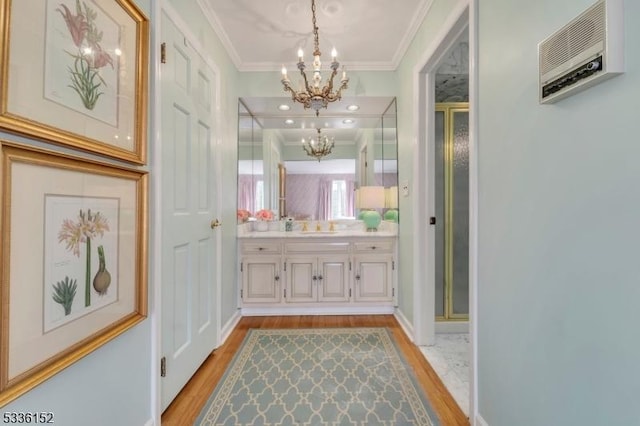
x: 371, y: 197
x: 391, y: 197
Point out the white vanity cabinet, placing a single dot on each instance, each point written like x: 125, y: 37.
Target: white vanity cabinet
x: 321, y: 275
x: 261, y: 273
x: 317, y: 279
x: 373, y: 272
x: 317, y: 271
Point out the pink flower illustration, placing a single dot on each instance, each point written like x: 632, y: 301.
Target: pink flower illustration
x: 72, y: 233
x: 100, y: 58
x: 85, y: 76
x: 76, y: 24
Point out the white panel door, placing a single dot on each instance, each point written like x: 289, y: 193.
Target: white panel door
x: 188, y: 194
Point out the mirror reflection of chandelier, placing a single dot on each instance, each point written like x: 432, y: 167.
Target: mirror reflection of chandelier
x: 319, y: 147
x: 313, y: 95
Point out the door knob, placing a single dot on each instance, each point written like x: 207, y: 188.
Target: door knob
x: 215, y: 223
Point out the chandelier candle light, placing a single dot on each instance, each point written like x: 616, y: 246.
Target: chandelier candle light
x: 318, y: 148
x: 313, y: 95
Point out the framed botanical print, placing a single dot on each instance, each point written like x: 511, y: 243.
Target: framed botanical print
x: 74, y: 72
x: 73, y: 261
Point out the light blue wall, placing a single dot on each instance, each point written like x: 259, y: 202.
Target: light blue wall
x: 559, y: 230
x: 110, y: 385
x: 424, y: 38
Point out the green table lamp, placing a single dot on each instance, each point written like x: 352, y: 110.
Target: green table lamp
x: 371, y: 198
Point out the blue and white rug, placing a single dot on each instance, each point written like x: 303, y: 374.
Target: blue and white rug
x: 330, y: 376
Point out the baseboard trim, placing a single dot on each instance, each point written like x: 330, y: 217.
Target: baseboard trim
x: 405, y: 324
x: 229, y: 326
x: 480, y: 421
x: 452, y: 326
x: 346, y: 310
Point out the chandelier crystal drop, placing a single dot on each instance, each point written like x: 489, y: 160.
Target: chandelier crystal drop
x: 319, y: 147
x: 313, y: 94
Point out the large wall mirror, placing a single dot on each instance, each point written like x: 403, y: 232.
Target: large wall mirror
x: 275, y: 172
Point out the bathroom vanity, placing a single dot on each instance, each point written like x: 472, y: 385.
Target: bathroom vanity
x: 346, y: 271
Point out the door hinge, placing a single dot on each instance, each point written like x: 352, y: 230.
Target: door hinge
x: 285, y: 266
x: 393, y: 265
x: 163, y: 366
x: 285, y: 293
x: 349, y: 292
x: 349, y: 265
x: 393, y: 292
x: 241, y: 293
x: 163, y: 53
x: 241, y: 267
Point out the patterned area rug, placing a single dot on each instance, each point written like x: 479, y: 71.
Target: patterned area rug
x: 329, y: 376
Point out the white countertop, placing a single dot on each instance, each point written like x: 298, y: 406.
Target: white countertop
x: 346, y: 229
x: 312, y: 234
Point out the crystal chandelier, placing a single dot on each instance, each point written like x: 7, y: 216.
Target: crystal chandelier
x: 312, y: 95
x: 319, y: 147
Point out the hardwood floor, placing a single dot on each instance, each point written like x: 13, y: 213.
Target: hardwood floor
x: 187, y: 405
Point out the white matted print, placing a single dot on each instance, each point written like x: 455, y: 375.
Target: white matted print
x: 80, y: 257
x: 82, y: 52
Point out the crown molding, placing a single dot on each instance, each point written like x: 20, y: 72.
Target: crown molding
x: 419, y: 17
x: 217, y: 27
x: 392, y: 65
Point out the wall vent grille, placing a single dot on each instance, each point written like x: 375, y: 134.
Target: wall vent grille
x: 584, y: 52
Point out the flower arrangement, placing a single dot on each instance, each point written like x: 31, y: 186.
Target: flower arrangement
x: 264, y: 215
x: 243, y: 215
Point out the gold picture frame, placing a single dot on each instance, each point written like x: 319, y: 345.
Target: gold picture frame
x: 75, y: 73
x: 73, y: 259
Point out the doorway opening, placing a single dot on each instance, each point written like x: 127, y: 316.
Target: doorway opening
x: 443, y: 254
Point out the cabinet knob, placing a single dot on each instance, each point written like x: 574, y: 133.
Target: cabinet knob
x: 358, y: 277
x: 314, y: 278
x: 277, y: 277
x: 320, y: 277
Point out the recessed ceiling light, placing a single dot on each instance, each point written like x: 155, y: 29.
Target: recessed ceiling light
x: 288, y: 121
x: 353, y: 108
x: 284, y: 107
x: 347, y: 121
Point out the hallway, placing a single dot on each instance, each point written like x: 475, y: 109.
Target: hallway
x: 186, y: 407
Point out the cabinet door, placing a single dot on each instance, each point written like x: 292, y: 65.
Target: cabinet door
x: 373, y: 278
x: 333, y: 279
x: 302, y: 279
x: 261, y: 279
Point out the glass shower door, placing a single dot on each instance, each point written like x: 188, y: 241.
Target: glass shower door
x: 452, y: 211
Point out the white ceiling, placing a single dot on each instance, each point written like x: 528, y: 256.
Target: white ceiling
x: 263, y: 35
